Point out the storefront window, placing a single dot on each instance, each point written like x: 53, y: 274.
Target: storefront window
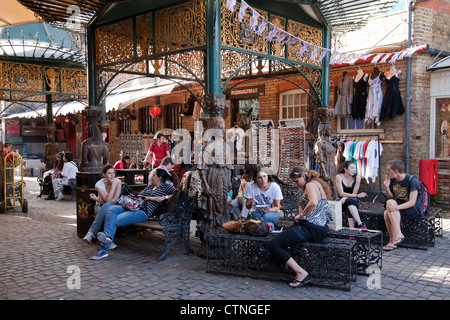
x: 348, y: 123
x: 248, y: 110
x: 173, y: 116
x: 148, y: 123
x: 442, y: 133
x: 294, y: 105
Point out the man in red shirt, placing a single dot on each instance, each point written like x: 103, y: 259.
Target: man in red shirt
x: 157, y: 151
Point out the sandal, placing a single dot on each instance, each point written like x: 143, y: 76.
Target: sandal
x: 298, y: 283
x: 389, y: 248
x: 399, y: 240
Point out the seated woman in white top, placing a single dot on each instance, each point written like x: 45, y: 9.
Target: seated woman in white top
x: 263, y: 197
x: 109, y: 189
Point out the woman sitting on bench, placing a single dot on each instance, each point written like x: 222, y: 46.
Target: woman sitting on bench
x: 310, y: 224
x: 117, y: 216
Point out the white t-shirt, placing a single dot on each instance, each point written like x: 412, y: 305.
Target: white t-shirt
x: 101, y: 185
x: 69, y: 170
x: 263, y: 197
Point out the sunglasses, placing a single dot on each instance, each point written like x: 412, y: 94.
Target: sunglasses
x: 296, y: 174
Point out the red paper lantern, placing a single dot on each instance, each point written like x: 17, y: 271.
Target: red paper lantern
x: 155, y: 111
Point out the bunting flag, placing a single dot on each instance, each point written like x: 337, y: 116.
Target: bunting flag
x: 304, y: 47
x: 333, y: 57
x: 262, y: 27
x: 242, y: 10
x: 291, y: 40
x: 322, y: 55
x: 272, y: 33
x: 282, y: 36
x: 314, y: 53
x: 231, y: 5
x: 253, y: 22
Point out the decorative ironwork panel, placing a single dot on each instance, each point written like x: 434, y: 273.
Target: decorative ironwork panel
x: 368, y: 250
x: 232, y: 60
x: 114, y: 42
x: 20, y: 76
x: 330, y: 264
x: 180, y: 27
x: 52, y: 79
x: 307, y: 33
x: 192, y: 61
x: 278, y: 49
x: 144, y: 36
x: 237, y: 34
x: 74, y: 81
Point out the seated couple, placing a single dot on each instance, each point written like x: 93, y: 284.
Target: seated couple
x: 110, y: 215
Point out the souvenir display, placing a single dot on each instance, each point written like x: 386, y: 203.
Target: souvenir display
x: 293, y: 147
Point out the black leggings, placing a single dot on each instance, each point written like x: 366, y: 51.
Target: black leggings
x: 296, y: 234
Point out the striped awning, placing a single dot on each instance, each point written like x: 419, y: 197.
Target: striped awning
x: 349, y: 15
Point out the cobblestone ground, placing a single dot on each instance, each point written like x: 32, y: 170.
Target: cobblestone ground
x: 40, y: 252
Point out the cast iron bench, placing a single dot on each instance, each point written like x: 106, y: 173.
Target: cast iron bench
x: 419, y: 233
x: 174, y: 224
x: 330, y: 264
x: 368, y: 249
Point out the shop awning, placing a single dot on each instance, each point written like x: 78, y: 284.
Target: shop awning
x: 123, y: 100
x: 59, y: 109
x: 13, y: 13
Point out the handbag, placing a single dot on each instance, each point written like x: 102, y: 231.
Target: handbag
x: 256, y: 228
x: 234, y: 226
x: 131, y: 202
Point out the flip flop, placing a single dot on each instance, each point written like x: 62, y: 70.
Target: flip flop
x: 389, y: 248
x: 303, y: 283
x: 399, y: 240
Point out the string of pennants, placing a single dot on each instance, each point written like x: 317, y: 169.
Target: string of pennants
x: 311, y: 51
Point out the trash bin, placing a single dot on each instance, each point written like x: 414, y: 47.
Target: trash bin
x: 85, y: 185
x: 428, y: 174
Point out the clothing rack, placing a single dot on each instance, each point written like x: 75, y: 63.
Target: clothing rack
x: 373, y: 135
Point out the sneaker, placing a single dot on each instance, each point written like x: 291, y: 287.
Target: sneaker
x: 112, y: 246
x: 362, y: 226
x: 88, y: 237
x: 100, y: 255
x: 104, y: 238
x: 57, y: 198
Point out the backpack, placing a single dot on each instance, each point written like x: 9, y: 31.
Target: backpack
x: 426, y: 198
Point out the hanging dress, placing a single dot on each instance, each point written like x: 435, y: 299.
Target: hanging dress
x: 345, y: 92
x: 392, y: 101
x: 360, y: 98
x: 374, y: 100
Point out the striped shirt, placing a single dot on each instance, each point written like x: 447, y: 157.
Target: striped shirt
x: 162, y: 190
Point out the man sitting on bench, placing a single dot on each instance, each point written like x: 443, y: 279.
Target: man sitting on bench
x: 68, y: 172
x: 404, y: 202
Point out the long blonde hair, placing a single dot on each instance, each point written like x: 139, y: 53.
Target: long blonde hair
x: 310, y: 175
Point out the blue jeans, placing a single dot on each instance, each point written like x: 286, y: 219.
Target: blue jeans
x: 100, y: 218
x: 118, y: 217
x: 272, y: 217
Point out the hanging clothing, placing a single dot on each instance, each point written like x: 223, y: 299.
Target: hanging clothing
x: 373, y: 152
x: 374, y: 100
x: 345, y: 92
x: 360, y: 98
x: 392, y: 100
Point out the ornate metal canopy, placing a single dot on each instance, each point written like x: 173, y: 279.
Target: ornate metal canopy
x: 40, y: 64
